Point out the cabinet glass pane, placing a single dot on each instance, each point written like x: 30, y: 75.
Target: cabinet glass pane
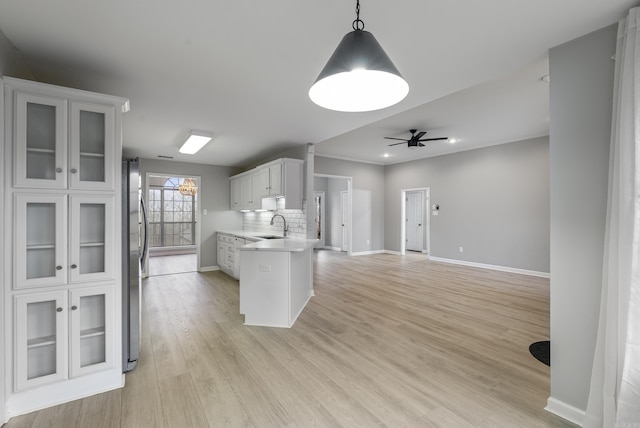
x: 92, y: 146
x: 41, y: 339
x: 92, y: 238
x: 92, y: 330
x: 41, y: 240
x: 41, y: 141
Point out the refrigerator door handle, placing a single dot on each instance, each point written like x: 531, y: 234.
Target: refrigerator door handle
x: 145, y: 244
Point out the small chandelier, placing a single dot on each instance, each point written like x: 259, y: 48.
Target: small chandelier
x: 188, y: 187
x: 359, y: 76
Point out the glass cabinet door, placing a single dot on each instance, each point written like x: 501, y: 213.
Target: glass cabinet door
x: 41, y: 240
x: 41, y: 339
x: 91, y: 330
x: 92, y: 238
x: 40, y: 142
x: 92, y: 146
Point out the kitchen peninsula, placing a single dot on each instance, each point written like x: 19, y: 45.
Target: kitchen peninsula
x: 276, y: 280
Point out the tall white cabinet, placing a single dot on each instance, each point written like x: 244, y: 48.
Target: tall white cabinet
x: 62, y: 246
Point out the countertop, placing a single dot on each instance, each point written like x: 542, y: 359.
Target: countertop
x: 286, y: 244
x: 247, y: 234
x: 283, y: 244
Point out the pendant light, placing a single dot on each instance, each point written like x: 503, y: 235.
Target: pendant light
x: 188, y: 187
x: 359, y: 75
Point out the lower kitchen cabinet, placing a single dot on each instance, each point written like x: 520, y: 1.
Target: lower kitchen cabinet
x: 63, y: 334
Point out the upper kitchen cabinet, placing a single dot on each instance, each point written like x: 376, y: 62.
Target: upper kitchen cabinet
x: 62, y: 139
x: 282, y: 178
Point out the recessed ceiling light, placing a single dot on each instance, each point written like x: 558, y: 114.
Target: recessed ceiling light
x: 453, y: 140
x: 386, y: 155
x: 196, y: 141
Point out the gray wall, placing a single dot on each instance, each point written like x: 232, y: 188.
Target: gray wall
x: 581, y: 73
x: 494, y: 202
x: 10, y: 63
x: 214, y: 196
x: 368, y: 198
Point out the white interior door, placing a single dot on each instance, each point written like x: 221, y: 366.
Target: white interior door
x: 415, y: 221
x: 345, y: 220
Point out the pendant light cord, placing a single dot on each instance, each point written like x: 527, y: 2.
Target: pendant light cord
x: 358, y: 24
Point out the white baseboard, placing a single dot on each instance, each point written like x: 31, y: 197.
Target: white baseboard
x: 209, y: 268
x: 565, y: 411
x: 492, y: 267
x: 332, y: 248
x: 395, y: 253
x: 367, y: 253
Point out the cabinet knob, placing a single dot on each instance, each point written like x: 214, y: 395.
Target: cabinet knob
x: 58, y: 267
x: 58, y: 169
x: 73, y: 266
x: 58, y: 309
x: 73, y: 170
x: 74, y: 307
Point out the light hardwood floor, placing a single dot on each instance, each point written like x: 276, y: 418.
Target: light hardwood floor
x: 168, y: 265
x: 387, y: 341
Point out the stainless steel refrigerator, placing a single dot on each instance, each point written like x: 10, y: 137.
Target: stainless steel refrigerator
x: 134, y: 253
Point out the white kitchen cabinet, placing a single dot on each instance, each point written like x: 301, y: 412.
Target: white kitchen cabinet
x: 92, y: 238
x: 40, y: 338
x: 40, y: 257
x: 236, y: 194
x: 91, y: 330
x: 62, y: 335
x: 50, y: 155
x: 40, y: 141
x: 228, y: 256
x: 62, y: 243
x: 282, y: 178
x: 46, y: 256
x: 271, y: 180
x: 92, y: 157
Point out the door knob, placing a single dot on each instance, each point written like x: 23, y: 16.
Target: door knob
x: 58, y: 267
x: 73, y: 170
x: 58, y: 169
x: 74, y: 307
x: 73, y: 266
x: 58, y: 309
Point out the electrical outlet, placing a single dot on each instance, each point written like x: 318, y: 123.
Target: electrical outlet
x: 264, y: 268
x: 460, y: 250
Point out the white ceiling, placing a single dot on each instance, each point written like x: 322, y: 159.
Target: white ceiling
x: 242, y: 70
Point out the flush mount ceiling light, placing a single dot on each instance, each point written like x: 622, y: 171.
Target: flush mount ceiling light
x: 196, y: 141
x: 359, y: 75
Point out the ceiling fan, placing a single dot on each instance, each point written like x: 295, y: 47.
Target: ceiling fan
x: 415, y: 140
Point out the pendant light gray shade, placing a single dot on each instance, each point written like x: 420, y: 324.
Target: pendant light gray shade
x: 359, y: 76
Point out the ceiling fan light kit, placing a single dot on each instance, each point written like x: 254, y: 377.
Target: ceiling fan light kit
x: 359, y: 76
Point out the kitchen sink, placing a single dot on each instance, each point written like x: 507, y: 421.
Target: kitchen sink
x: 270, y: 237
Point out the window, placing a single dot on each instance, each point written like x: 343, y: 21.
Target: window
x: 172, y: 216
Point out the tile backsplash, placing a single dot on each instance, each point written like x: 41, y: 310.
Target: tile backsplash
x: 259, y: 221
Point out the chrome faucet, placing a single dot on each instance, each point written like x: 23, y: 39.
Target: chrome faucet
x: 286, y: 228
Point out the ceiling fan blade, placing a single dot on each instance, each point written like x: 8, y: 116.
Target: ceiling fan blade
x: 420, y: 145
x: 399, y: 139
x: 395, y: 144
x: 419, y: 135
x: 434, y: 139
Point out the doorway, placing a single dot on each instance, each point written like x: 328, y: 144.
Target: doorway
x: 415, y: 233
x: 337, y: 191
x: 173, y: 229
x: 318, y: 199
